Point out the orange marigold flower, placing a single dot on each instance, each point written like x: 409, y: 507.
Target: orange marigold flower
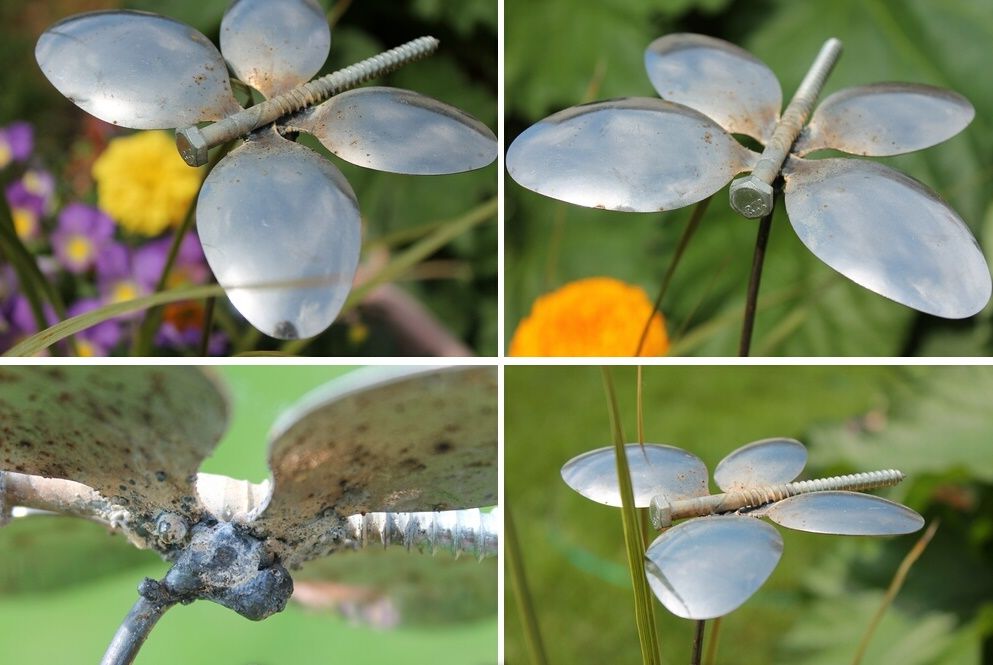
x: 597, y: 316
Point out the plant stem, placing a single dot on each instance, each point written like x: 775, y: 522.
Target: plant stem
x: 684, y: 240
x: 635, y: 545
x: 894, y: 588
x: 522, y: 594
x: 208, y: 324
x: 32, y: 281
x: 715, y: 630
x: 142, y: 344
x: 701, y: 624
x: 133, y: 631
x: 751, y: 302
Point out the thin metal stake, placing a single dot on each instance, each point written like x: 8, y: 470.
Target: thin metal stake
x: 701, y: 624
x: 751, y: 301
x: 134, y: 630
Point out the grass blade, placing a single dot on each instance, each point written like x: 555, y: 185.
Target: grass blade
x: 901, y: 574
x: 525, y: 608
x: 715, y: 630
x: 644, y: 605
x: 38, y: 342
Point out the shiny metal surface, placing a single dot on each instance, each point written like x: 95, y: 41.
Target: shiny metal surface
x: 765, y: 462
x: 137, y: 435
x: 885, y: 119
x: 708, y: 567
x: 399, y: 131
x: 844, y: 513
x: 404, y: 440
x: 717, y: 78
x: 136, y: 70
x: 632, y: 154
x: 275, y: 46
x: 888, y: 233
x: 280, y: 229
x: 230, y: 499
x: 656, y: 469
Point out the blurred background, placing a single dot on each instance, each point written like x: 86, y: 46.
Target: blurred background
x: 66, y: 584
x: 560, y: 53
x: 932, y: 423
x: 445, y: 303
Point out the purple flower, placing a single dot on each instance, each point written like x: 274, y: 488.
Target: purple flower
x: 29, y: 199
x: 17, y: 319
x: 96, y: 340
x: 16, y: 143
x: 124, y: 274
x: 81, y: 236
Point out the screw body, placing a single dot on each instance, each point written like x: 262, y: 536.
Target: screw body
x: 751, y: 195
x: 663, y: 512
x: 457, y: 531
x: 194, y: 142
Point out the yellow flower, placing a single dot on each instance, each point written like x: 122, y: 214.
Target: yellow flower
x: 144, y: 184
x: 597, y: 316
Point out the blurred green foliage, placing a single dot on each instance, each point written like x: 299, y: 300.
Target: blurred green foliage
x: 63, y: 590
x: 458, y: 283
x: 560, y: 53
x: 932, y: 422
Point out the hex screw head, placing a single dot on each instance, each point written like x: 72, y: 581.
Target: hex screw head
x: 660, y: 512
x: 751, y: 197
x: 192, y: 145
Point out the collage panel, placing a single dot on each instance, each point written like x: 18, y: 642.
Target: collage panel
x: 362, y: 527
x: 347, y: 208
x: 625, y: 126
x: 787, y: 588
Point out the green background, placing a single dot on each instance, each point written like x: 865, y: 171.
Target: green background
x: 560, y: 53
x: 69, y: 593
x: 933, y: 423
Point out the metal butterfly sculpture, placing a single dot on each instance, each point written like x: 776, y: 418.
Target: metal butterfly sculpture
x: 278, y: 223
x: 707, y: 567
x: 123, y: 445
x: 873, y: 224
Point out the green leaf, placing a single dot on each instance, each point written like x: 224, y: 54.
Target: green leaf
x: 933, y: 422
x: 827, y: 633
x: 553, y: 49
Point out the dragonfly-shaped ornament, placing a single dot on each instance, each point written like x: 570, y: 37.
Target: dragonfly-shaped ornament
x: 873, y: 224
x: 707, y: 567
x: 387, y: 456
x: 278, y: 223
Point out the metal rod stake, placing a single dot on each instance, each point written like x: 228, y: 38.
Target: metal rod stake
x: 751, y: 195
x: 194, y: 142
x: 134, y: 630
x: 754, y: 281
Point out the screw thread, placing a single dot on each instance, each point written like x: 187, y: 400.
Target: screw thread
x: 193, y: 142
x: 663, y: 512
x: 759, y: 496
x: 455, y: 531
x: 751, y: 195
